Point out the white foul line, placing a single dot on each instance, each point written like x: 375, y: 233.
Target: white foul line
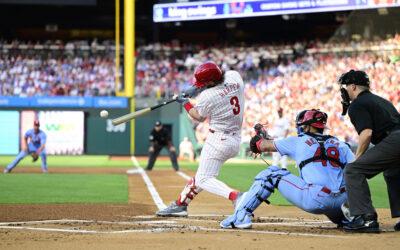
x: 154, y: 194
x: 183, y: 175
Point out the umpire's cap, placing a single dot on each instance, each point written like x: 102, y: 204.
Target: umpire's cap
x: 158, y: 123
x: 356, y: 77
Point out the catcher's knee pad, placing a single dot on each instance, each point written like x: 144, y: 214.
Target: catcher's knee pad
x: 265, y: 183
x: 188, y: 193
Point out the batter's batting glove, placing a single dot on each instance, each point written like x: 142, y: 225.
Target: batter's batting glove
x: 181, y: 98
x: 192, y: 91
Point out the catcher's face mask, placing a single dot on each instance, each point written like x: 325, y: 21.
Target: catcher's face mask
x: 299, y: 118
x: 343, y: 81
x: 356, y: 77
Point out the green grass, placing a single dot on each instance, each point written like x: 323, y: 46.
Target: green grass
x: 240, y: 176
x: 66, y: 188
x: 63, y: 188
x: 70, y: 161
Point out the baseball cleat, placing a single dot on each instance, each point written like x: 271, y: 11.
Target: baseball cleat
x: 363, y: 224
x: 173, y: 210
x: 233, y: 222
x: 397, y: 226
x: 6, y: 171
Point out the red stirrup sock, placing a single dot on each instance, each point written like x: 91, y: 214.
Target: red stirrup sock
x: 233, y: 195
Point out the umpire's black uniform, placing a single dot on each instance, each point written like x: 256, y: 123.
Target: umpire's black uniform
x: 369, y: 111
x: 159, y: 138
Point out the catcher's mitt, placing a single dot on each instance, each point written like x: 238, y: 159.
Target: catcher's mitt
x: 261, y: 133
x: 35, y: 157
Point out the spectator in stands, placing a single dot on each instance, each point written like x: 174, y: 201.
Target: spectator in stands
x: 291, y: 76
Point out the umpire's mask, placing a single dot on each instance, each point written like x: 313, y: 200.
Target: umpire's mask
x: 356, y: 77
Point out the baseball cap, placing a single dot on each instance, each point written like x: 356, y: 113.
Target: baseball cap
x: 36, y: 123
x: 158, y: 123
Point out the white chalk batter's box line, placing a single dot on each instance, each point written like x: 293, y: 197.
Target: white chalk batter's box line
x: 153, y: 230
x: 165, y: 222
x: 171, y: 226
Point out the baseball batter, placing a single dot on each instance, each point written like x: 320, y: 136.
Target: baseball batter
x: 34, y: 144
x: 221, y: 100
x: 320, y: 189
x: 280, y: 130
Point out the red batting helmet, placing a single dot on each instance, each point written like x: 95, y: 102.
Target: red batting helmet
x: 315, y: 118
x: 36, y: 123
x: 205, y: 73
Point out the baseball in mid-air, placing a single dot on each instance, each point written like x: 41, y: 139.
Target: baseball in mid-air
x: 104, y: 113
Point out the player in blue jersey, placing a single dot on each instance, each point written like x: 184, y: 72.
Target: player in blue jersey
x: 320, y: 188
x: 34, y: 144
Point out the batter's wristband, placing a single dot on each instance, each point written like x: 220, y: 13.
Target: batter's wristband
x: 188, y: 106
x: 258, y: 144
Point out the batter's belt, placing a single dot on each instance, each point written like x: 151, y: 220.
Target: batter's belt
x: 224, y: 132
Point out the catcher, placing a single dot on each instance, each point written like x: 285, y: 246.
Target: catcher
x: 320, y: 188
x: 33, y: 144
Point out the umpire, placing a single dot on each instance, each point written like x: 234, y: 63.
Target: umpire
x: 159, y: 138
x: 376, y: 121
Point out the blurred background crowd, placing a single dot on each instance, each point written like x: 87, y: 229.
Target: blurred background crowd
x: 293, y: 77
x: 53, y: 68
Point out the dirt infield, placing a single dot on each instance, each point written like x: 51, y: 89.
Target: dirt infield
x: 134, y: 226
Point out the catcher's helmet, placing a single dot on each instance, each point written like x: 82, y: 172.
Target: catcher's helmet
x: 299, y: 118
x: 356, y: 77
x: 206, y: 73
x: 314, y: 118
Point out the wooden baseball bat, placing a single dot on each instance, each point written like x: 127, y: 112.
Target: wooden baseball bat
x: 133, y: 115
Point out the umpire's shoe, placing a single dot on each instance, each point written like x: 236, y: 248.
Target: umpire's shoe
x: 366, y: 223
x: 397, y: 226
x: 173, y: 210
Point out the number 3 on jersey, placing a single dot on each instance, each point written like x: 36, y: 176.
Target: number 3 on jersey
x: 236, y: 106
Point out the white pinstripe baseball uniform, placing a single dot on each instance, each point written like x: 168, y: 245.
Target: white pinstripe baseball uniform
x: 223, y: 105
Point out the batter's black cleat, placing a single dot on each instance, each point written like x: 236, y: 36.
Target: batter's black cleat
x: 366, y: 223
x: 397, y: 226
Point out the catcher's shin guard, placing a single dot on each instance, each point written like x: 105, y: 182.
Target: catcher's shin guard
x: 265, y: 183
x: 188, y: 193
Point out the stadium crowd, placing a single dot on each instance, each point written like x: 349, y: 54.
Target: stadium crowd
x: 288, y: 76
x: 292, y: 77
x: 56, y: 69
